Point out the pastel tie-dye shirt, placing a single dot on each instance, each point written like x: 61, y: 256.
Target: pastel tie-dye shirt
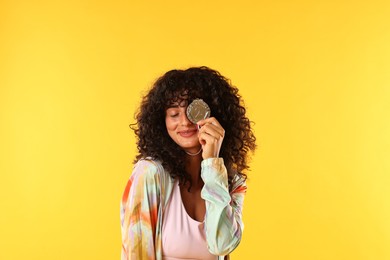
x: 147, y: 192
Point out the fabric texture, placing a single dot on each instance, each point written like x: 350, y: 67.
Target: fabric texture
x: 182, y: 236
x: 148, y: 191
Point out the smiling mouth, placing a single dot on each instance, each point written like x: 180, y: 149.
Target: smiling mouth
x: 187, y: 133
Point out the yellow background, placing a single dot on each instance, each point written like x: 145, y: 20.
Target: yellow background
x: 315, y: 77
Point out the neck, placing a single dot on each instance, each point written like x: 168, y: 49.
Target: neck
x: 193, y: 154
x: 193, y: 169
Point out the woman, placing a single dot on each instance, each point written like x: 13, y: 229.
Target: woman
x: 185, y: 195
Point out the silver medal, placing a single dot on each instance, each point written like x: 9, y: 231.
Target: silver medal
x: 198, y: 110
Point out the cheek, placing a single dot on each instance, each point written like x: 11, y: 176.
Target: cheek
x: 170, y: 124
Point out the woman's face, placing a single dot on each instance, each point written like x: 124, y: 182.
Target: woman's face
x: 182, y: 131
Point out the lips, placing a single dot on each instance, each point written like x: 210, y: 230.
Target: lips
x: 187, y: 133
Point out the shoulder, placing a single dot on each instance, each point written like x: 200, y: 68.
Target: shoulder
x: 147, y: 169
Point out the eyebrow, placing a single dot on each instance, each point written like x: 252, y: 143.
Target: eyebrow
x: 183, y: 103
x: 173, y: 106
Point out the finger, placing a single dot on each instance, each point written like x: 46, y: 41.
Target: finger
x: 211, y: 120
x: 216, y: 131
x: 207, y: 139
x: 210, y: 145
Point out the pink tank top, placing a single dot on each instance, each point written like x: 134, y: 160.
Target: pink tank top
x: 182, y: 236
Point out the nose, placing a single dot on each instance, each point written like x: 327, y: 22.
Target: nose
x: 184, y: 120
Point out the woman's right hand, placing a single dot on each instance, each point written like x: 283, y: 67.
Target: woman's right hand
x: 210, y: 135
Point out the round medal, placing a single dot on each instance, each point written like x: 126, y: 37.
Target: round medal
x: 198, y: 110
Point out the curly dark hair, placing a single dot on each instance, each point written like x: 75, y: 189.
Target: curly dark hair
x: 226, y: 106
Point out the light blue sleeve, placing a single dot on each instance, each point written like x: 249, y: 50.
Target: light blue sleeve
x: 223, y: 220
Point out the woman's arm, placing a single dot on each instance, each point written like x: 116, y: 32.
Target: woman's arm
x: 139, y: 212
x: 223, y: 220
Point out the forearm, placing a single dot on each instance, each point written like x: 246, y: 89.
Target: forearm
x: 223, y: 221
